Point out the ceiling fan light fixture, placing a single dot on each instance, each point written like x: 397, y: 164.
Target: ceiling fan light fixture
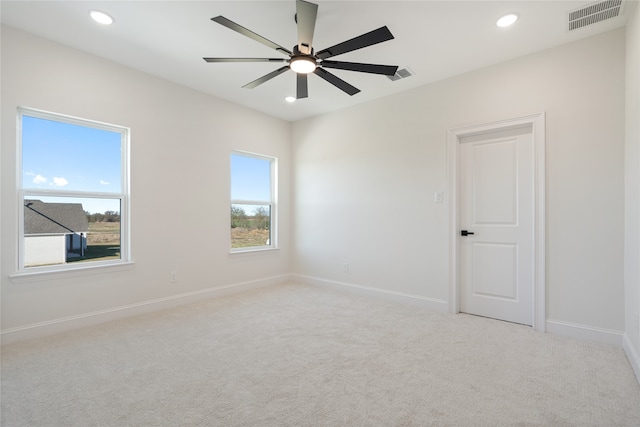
x: 303, y: 64
x: 101, y: 17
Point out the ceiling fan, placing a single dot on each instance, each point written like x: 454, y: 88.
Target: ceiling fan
x: 304, y: 60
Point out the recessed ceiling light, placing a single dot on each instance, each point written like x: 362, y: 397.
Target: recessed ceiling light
x: 290, y: 99
x: 507, y: 20
x: 101, y: 17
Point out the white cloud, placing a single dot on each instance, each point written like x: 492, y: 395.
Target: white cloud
x: 103, y: 182
x: 59, y: 182
x: 39, y: 179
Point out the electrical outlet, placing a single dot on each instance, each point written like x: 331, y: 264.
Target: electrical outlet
x: 345, y: 267
x: 173, y: 276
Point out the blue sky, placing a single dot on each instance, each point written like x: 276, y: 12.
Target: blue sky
x: 69, y: 157
x: 250, y: 179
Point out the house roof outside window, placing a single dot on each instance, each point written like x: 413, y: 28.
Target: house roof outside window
x: 54, y: 218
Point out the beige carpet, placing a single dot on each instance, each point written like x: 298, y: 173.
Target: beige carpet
x: 296, y: 355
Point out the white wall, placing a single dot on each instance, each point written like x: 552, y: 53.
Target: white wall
x: 365, y: 178
x: 180, y: 146
x: 632, y: 192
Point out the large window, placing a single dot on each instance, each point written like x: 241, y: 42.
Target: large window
x: 253, y: 202
x: 73, y: 192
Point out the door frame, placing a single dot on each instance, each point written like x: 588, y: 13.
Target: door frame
x: 454, y: 136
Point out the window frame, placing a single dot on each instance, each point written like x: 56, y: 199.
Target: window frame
x: 273, y: 203
x: 123, y: 196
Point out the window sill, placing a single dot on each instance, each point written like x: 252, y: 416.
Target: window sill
x: 254, y: 251
x: 38, y: 276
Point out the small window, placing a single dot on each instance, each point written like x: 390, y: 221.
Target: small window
x: 253, y: 204
x: 73, y: 191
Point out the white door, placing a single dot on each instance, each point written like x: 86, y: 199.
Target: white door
x: 496, y: 202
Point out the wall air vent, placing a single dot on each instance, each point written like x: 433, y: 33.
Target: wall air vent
x: 593, y: 13
x: 402, y: 73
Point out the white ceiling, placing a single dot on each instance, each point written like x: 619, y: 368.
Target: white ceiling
x: 434, y: 39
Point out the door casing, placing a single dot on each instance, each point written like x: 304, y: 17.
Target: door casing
x: 454, y: 136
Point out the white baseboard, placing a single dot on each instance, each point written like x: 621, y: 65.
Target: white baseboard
x: 632, y: 355
x: 65, y: 324
x: 584, y: 332
x: 430, y: 303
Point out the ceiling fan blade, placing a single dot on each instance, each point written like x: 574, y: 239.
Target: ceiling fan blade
x: 302, y: 89
x: 380, y: 35
x: 306, y: 17
x: 266, y: 77
x: 387, y: 70
x: 336, y: 81
x: 248, y: 33
x: 244, y: 59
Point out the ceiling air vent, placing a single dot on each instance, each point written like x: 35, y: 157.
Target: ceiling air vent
x: 594, y: 13
x: 402, y: 73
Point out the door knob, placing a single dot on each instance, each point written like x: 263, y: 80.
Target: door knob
x: 465, y: 232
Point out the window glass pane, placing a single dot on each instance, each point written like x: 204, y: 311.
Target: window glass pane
x: 61, y: 230
x: 250, y: 178
x: 250, y: 225
x: 69, y: 157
